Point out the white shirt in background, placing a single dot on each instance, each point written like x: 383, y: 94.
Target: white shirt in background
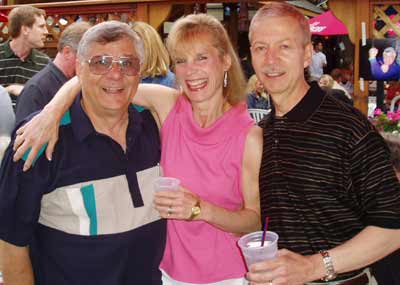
x: 317, y: 64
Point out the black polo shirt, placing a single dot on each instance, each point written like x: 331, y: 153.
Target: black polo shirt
x: 88, y: 215
x: 39, y: 90
x: 325, y: 175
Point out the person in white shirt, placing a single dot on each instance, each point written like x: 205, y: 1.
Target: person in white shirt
x: 7, y: 119
x: 318, y: 62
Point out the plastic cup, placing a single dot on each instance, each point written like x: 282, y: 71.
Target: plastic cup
x: 166, y: 183
x: 252, y: 250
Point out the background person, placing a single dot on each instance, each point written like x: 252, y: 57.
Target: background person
x: 257, y: 98
x: 19, y: 58
x: 338, y: 77
x: 155, y: 68
x: 88, y: 217
x: 318, y: 62
x: 209, y: 142
x: 7, y: 120
x: 327, y: 83
x: 386, y: 67
x: 326, y: 179
x: 39, y: 90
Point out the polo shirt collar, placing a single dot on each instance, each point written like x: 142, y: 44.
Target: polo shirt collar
x: 8, y: 52
x: 307, y: 105
x: 83, y: 127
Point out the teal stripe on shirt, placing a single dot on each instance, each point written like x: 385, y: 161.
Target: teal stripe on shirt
x: 89, y: 201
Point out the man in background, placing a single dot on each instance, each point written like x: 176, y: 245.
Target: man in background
x: 385, y: 67
x: 41, y: 88
x: 19, y: 59
x: 318, y: 62
x: 337, y: 77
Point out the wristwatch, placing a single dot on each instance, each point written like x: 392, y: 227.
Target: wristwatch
x: 330, y: 271
x: 196, y: 210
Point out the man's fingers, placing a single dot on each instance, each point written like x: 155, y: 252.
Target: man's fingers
x: 30, y: 158
x: 20, y: 130
x: 51, y: 146
x: 29, y: 161
x: 19, y: 138
x: 21, y: 149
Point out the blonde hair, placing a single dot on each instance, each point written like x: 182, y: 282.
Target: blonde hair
x: 328, y: 78
x: 156, y: 60
x: 187, y: 30
x: 251, y: 84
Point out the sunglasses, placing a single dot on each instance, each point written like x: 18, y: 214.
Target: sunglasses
x: 101, y: 64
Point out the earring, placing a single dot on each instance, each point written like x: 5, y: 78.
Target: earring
x: 225, y: 79
x: 179, y: 88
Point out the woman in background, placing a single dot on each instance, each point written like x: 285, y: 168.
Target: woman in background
x: 155, y: 68
x: 257, y: 98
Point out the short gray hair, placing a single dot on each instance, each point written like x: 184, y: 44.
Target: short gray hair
x: 389, y: 50
x: 282, y: 9
x: 72, y: 35
x: 107, y: 32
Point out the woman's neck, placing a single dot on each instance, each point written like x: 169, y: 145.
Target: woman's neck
x: 205, y: 114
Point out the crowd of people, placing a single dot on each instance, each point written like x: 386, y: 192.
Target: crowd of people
x: 77, y: 203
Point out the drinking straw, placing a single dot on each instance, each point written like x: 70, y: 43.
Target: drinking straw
x: 265, y: 230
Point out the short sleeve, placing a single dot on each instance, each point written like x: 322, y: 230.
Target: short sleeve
x: 30, y: 100
x: 20, y: 198
x: 375, y: 182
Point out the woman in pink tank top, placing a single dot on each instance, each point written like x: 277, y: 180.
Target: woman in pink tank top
x: 210, y: 143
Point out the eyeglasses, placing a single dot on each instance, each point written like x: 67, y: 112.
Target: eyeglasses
x: 101, y: 64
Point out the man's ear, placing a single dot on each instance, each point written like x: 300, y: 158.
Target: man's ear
x: 308, y: 49
x: 25, y: 30
x: 67, y: 50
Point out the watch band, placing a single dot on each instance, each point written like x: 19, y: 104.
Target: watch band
x: 328, y: 263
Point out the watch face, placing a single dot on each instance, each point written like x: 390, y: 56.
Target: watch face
x: 196, y: 210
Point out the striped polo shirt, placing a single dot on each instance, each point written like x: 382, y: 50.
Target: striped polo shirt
x: 88, y: 215
x: 325, y: 175
x: 13, y: 70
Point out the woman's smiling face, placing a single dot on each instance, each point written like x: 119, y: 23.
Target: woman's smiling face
x: 200, y: 69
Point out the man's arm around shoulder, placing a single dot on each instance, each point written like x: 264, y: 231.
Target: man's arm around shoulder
x: 17, y: 267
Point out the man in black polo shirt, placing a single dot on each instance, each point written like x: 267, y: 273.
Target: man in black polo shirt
x: 87, y: 216
x: 41, y: 88
x: 19, y: 59
x: 326, y: 180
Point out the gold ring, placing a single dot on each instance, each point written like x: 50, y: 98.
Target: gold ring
x: 169, y: 211
x: 270, y: 282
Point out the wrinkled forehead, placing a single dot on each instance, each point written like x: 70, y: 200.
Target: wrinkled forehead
x: 277, y: 29
x: 123, y: 47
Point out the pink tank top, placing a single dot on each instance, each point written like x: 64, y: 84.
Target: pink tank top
x: 208, y: 161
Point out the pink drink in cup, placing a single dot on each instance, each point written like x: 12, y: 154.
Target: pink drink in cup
x: 166, y: 183
x: 252, y: 250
